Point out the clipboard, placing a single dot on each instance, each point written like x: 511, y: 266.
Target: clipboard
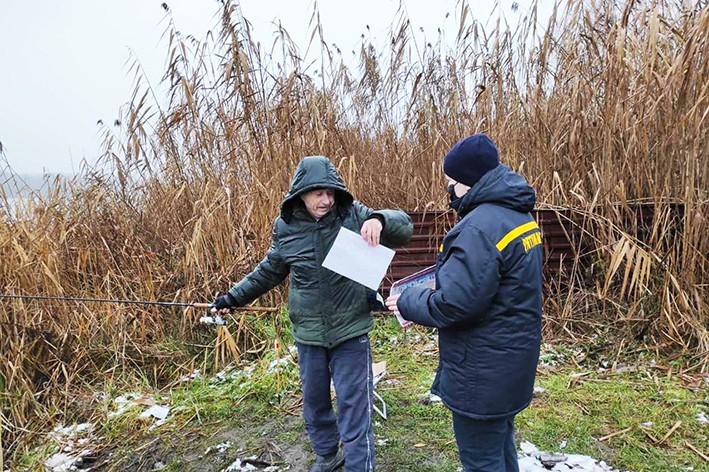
x: 423, y: 278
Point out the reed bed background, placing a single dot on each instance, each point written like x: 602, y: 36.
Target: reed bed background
x: 602, y: 107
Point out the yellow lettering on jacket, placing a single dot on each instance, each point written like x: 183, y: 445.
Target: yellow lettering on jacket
x: 534, y: 239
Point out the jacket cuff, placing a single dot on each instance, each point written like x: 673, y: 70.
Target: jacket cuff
x: 413, y: 305
x: 378, y: 216
x: 233, y: 299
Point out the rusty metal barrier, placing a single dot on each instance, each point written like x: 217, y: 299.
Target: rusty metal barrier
x: 561, y: 236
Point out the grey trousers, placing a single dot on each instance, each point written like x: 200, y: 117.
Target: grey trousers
x: 349, y: 365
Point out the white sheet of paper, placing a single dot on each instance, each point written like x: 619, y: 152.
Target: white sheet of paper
x: 351, y: 257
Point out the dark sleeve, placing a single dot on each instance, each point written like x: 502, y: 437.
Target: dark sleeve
x: 398, y: 227
x: 270, y: 272
x: 467, y: 283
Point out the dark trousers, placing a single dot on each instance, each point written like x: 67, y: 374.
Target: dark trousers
x: 349, y: 365
x: 486, y: 446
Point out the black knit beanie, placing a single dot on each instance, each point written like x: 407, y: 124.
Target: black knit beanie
x: 470, y: 159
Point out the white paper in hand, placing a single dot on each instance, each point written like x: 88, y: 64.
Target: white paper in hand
x: 351, y: 257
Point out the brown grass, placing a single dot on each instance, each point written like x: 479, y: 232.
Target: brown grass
x: 601, y: 108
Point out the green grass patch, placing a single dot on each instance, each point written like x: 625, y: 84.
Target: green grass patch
x: 580, y: 410
x: 256, y: 405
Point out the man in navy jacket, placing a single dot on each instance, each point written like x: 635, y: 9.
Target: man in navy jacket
x: 487, y: 304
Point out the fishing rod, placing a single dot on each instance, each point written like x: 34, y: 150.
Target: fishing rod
x: 133, y: 302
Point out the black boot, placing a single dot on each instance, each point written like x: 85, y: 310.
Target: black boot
x: 329, y: 463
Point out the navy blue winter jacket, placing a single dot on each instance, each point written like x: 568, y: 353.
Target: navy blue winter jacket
x: 487, y: 304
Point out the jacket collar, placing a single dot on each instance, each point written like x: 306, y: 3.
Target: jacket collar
x: 500, y: 186
x: 301, y: 213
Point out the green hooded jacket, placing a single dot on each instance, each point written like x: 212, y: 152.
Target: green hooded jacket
x: 325, y: 308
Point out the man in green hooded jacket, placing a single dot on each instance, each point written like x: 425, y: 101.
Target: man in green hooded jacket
x: 330, y: 314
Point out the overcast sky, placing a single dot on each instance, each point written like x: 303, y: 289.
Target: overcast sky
x: 64, y: 63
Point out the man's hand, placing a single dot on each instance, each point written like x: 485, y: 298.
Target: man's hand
x: 371, y: 230
x: 391, y: 303
x: 223, y: 304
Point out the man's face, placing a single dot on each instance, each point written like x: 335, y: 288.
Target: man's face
x: 318, y: 202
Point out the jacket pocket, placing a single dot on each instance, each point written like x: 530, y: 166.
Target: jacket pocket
x: 454, y: 378
x: 452, y: 350
x: 304, y: 275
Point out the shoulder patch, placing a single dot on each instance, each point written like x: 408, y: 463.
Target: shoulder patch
x: 529, y: 241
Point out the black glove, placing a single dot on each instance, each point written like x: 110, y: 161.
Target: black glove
x: 225, y: 301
